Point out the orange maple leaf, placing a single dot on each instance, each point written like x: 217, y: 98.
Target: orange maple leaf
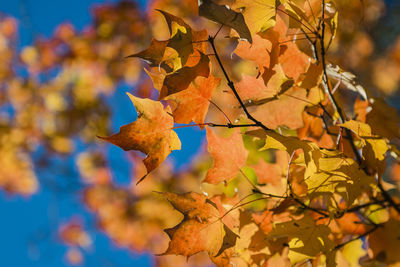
x: 192, y: 104
x: 229, y: 156
x: 151, y: 133
x: 201, y: 228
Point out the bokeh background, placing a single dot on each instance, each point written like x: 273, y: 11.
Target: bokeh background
x: 63, y: 79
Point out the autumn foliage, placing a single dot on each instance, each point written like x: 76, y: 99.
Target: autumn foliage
x: 301, y: 162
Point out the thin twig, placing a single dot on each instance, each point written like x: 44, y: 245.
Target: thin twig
x: 307, y: 207
x: 215, y: 35
x: 325, y: 84
x: 232, y: 86
x: 296, y: 19
x: 312, y: 12
x: 255, y: 188
x: 388, y: 198
x: 358, y: 237
x: 230, y: 125
x: 297, y: 39
x: 226, y: 116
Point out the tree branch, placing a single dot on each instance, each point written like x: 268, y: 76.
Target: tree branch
x: 374, y: 228
x: 325, y: 84
x: 232, y: 86
x: 388, y: 198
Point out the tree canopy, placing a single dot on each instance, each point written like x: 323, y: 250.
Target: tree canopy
x: 301, y: 157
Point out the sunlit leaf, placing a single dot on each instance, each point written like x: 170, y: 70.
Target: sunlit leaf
x: 229, y: 156
x: 151, y: 133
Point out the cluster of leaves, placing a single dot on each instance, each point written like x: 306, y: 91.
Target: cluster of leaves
x: 324, y: 191
x: 297, y: 148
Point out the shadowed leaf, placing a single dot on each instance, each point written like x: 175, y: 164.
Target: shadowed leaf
x: 225, y: 16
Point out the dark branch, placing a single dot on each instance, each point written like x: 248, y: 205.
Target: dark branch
x: 232, y: 86
x: 358, y: 237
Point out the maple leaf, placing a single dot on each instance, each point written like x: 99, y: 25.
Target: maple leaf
x: 293, y: 61
x: 157, y: 76
x: 290, y: 144
x: 296, y: 14
x: 201, y: 228
x: 254, y: 91
x: 327, y: 172
x: 151, y: 133
x: 373, y: 147
x: 258, y: 52
x: 384, y: 242
x: 350, y: 224
x: 225, y: 16
x: 348, y: 79
x: 192, y: 103
x: 229, y: 156
x: 181, y: 35
x: 275, y: 111
x: 182, y: 49
x: 336, y: 174
x: 307, y: 239
x: 268, y: 173
x: 384, y: 119
x: 154, y: 54
x: 273, y: 47
x: 251, y: 249
x: 174, y: 23
x: 313, y: 125
x: 259, y: 15
x: 275, y: 98
x: 312, y: 77
x: 181, y: 79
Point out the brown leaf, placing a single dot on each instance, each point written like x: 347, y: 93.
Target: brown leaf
x: 225, y: 16
x: 384, y: 119
x: 384, y: 242
x: 181, y: 79
x: 151, y: 133
x: 201, y: 228
x: 153, y: 54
